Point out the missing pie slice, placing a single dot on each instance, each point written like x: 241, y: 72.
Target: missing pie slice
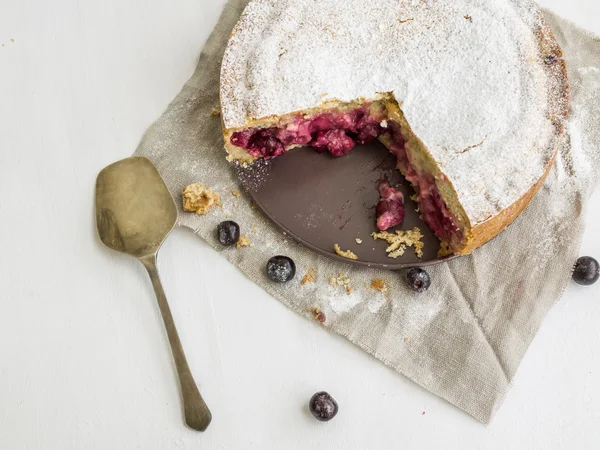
x: 470, y: 96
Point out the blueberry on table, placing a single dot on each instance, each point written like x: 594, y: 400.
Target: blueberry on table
x: 323, y: 406
x: 281, y: 269
x: 418, y: 279
x: 587, y: 271
x: 228, y: 232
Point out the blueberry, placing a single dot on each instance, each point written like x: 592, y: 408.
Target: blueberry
x: 281, y: 269
x: 228, y: 232
x: 587, y: 271
x: 418, y: 279
x: 323, y: 406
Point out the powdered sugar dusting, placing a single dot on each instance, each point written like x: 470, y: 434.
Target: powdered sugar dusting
x: 343, y: 303
x: 468, y: 75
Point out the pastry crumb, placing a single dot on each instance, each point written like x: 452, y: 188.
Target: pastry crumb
x: 244, y: 241
x: 215, y: 112
x: 358, y: 241
x: 342, y: 281
x: 228, y: 216
x: 414, y: 197
x: 405, y: 339
x: 310, y: 277
x: 317, y: 314
x: 199, y: 199
x: 235, y: 192
x: 345, y: 254
x: 469, y: 18
x: 400, y: 240
x: 379, y: 285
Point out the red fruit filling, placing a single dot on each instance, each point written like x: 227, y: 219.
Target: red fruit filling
x: 338, y: 132
x: 390, y: 209
x: 431, y: 205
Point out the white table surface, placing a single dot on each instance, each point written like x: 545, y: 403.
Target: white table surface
x: 84, y: 362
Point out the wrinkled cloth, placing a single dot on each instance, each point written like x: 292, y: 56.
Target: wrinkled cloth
x: 464, y: 338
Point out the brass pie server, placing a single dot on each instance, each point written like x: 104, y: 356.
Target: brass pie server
x: 134, y: 214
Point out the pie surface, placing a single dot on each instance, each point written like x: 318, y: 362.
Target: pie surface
x: 481, y: 84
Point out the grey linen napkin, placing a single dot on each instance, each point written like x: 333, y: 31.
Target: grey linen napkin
x: 464, y: 338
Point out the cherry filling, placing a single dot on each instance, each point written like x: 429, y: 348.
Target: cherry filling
x: 337, y: 132
x: 390, y: 209
x: 431, y: 205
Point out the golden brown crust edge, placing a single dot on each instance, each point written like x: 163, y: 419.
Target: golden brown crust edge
x: 559, y: 93
x: 486, y: 231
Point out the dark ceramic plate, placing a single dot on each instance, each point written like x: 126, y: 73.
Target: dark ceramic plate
x: 320, y: 200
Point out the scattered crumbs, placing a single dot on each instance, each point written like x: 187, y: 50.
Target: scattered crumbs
x: 423, y: 413
x: 358, y: 241
x: 253, y: 228
x: 405, y: 339
x: 379, y: 285
x: 235, y: 192
x: 406, y: 20
x: 243, y: 241
x: 12, y: 40
x: 470, y: 19
x: 414, y: 197
x: 215, y: 112
x: 284, y: 233
x: 309, y: 277
x: 388, y: 296
x: 343, y: 281
x: 317, y: 314
x: 253, y: 205
x: 219, y: 204
x: 228, y: 216
x: 199, y: 198
x: 345, y: 254
x: 400, y: 240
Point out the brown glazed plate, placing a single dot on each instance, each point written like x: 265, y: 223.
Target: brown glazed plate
x: 320, y: 200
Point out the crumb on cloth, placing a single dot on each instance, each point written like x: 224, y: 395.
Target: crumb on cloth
x: 343, y: 281
x: 310, y: 277
x: 317, y: 314
x: 379, y: 285
x: 199, y: 199
x: 244, y: 241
